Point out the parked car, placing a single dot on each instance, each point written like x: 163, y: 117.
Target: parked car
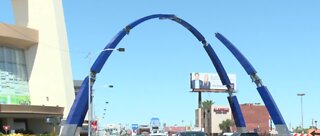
x: 191, y: 133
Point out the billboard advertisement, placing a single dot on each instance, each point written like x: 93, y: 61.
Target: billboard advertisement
x: 209, y: 82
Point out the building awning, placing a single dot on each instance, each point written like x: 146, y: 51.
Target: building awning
x: 17, y: 36
x: 29, y: 111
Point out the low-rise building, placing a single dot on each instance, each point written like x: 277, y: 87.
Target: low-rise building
x: 256, y: 117
x: 209, y: 120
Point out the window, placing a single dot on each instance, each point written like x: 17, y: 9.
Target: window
x: 14, y: 87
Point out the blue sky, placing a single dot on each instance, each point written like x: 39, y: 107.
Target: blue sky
x: 280, y: 39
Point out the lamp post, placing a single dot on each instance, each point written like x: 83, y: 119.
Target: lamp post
x: 301, y: 95
x: 90, y: 83
x: 104, y: 111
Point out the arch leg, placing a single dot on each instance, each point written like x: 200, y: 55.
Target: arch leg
x: 237, y: 114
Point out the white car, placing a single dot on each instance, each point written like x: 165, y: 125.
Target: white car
x: 227, y: 134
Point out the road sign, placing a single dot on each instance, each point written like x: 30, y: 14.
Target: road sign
x: 314, y: 133
x: 94, y: 125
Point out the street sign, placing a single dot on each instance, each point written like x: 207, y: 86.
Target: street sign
x: 94, y: 125
x: 314, y: 133
x: 155, y: 121
x: 134, y: 127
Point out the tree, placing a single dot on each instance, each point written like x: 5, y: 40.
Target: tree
x: 207, y: 104
x: 206, y: 108
x: 298, y: 129
x: 225, y: 125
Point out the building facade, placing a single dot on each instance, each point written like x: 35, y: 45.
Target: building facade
x: 256, y: 117
x: 209, y: 120
x: 35, y: 69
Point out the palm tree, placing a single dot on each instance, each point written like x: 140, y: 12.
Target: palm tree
x: 225, y: 125
x: 206, y: 108
x: 207, y: 104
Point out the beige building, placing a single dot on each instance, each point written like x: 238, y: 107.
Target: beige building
x: 35, y: 69
x: 215, y: 116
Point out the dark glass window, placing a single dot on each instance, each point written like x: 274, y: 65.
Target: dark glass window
x: 14, y: 87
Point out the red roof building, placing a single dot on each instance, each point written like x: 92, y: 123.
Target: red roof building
x: 256, y: 117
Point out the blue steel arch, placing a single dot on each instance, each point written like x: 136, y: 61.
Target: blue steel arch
x: 80, y: 106
x: 103, y: 56
x: 272, y: 107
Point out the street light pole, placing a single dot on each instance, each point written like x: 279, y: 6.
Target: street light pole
x: 89, y: 97
x: 90, y: 83
x: 104, y: 112
x: 301, y: 95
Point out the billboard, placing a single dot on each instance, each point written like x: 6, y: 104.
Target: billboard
x: 209, y: 82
